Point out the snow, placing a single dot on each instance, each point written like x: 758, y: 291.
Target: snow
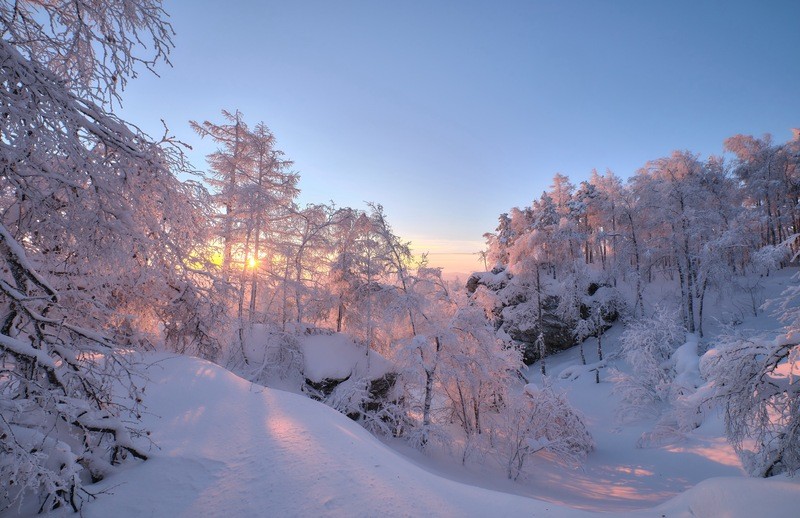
x: 496, y: 278
x: 574, y: 372
x: 618, y: 476
x: 227, y: 447
x: 687, y: 365
x: 731, y: 497
x: 337, y: 356
x: 230, y: 448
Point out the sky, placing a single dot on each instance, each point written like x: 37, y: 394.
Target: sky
x: 449, y: 113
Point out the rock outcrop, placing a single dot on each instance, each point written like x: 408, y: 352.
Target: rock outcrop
x: 516, y: 314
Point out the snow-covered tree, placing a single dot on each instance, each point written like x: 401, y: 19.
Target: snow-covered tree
x: 769, y: 174
x: 528, y: 260
x: 314, y: 229
x: 342, y: 281
x: 604, y: 216
x: 229, y: 164
x: 456, y: 369
x: 254, y: 192
x: 476, y: 369
x: 756, y: 378
x: 61, y: 150
x: 266, y: 211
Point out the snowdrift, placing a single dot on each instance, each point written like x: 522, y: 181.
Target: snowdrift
x: 230, y: 448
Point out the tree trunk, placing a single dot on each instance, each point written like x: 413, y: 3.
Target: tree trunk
x: 429, y: 377
x: 298, y: 279
x: 339, y: 315
x: 700, y: 304
x: 240, y: 305
x: 637, y: 266
x: 599, y: 351
x: 685, y: 299
x: 542, y: 349
x: 227, y: 237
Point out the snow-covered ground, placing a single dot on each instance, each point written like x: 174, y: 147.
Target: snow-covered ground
x: 227, y: 447
x: 618, y: 475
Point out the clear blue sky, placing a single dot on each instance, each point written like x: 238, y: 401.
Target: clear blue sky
x: 451, y: 112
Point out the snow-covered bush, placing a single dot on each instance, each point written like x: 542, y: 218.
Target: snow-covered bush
x: 647, y: 345
x: 60, y: 425
x: 269, y: 357
x: 45, y: 464
x: 195, y: 320
x: 540, y: 420
x: 770, y: 257
x: 687, y: 395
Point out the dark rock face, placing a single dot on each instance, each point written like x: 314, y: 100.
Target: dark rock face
x: 320, y: 390
x: 516, y: 313
x: 379, y: 392
x: 557, y: 333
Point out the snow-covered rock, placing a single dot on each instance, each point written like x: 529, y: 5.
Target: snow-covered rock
x: 338, y: 357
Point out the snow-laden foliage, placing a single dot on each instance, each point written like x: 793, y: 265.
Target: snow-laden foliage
x: 647, y: 345
x: 697, y: 226
x: 269, y: 357
x: 455, y: 369
x: 757, y: 381
x: 541, y: 420
x: 92, y: 46
x: 476, y: 370
x: 101, y: 246
x: 686, y: 395
x: 98, y: 242
x: 61, y: 427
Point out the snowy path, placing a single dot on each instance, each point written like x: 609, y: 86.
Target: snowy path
x: 229, y: 450
x: 233, y: 451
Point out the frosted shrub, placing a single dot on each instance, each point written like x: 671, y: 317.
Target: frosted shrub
x: 539, y: 420
x: 269, y: 357
x: 647, y: 345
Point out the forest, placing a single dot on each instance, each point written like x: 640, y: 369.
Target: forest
x: 113, y: 246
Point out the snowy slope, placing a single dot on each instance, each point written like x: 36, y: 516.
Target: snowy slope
x: 618, y: 475
x: 232, y: 449
x: 229, y: 448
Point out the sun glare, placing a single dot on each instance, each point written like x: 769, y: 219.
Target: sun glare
x: 252, y: 262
